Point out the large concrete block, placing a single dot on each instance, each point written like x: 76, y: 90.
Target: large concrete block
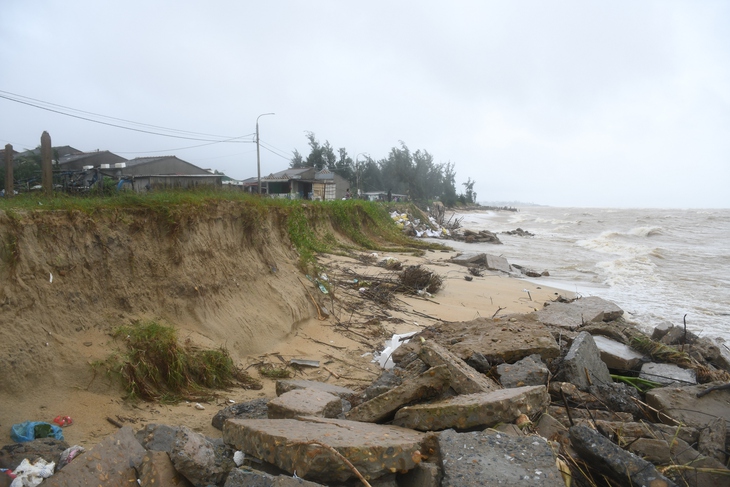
x: 295, y: 445
x: 304, y: 402
x: 474, y: 410
x: 583, y: 365
x: 157, y: 470
x: 464, y: 379
x: 616, y: 355
x: 380, y: 408
x: 287, y: 385
x: 668, y: 374
x: 682, y: 404
x: 530, y: 371
x: 110, y: 463
x: 579, y: 312
x: 195, y: 458
x: 479, y: 458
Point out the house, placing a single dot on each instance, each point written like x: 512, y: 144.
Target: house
x: 84, y: 160
x: 302, y: 183
x: 144, y: 173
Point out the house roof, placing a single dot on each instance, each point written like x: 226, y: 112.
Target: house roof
x: 84, y: 155
x: 288, y: 174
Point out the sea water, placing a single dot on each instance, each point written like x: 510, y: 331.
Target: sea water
x: 658, y: 265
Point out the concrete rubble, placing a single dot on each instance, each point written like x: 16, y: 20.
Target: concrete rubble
x: 451, y: 423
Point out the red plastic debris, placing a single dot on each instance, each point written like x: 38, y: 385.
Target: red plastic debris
x: 63, y: 420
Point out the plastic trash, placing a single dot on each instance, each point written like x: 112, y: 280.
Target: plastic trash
x: 383, y: 358
x: 30, y: 475
x: 30, y: 430
x: 69, y: 454
x: 63, y: 420
x: 238, y: 458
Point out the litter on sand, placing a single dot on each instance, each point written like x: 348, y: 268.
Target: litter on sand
x: 307, y: 363
x: 383, y: 358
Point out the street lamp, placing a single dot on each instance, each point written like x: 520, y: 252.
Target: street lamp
x: 258, y: 150
x: 357, y: 169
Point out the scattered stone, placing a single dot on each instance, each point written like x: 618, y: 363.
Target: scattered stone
x: 387, y: 381
x: 157, y: 470
x: 676, y: 335
x: 553, y: 430
x: 509, y: 429
x: 381, y: 408
x: 491, y: 262
x: 49, y: 449
x: 712, y: 440
x: 699, y: 470
x: 609, y: 330
x: 283, y: 386
x: 682, y: 404
x: 484, y: 236
x: 559, y: 413
x: 622, y: 431
x: 464, y: 379
x: 304, y: 402
x: 617, y: 463
x: 530, y: 371
x: 255, y: 409
x: 668, y: 374
x: 616, y: 355
x: 474, y: 410
x: 481, y: 458
x: 110, y: 463
x: 618, y: 397
x: 498, y: 340
x: 651, y: 450
x: 194, y: 457
x: 579, y: 312
x: 157, y: 437
x: 250, y: 478
x: 583, y: 366
x: 375, y: 450
x: 660, y: 330
x: 518, y: 232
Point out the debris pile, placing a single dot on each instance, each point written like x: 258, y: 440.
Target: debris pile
x: 554, y: 397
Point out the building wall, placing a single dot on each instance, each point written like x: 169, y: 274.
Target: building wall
x: 146, y: 183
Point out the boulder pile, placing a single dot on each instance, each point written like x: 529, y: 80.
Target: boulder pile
x: 571, y: 395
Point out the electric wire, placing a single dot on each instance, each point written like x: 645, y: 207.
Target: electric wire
x: 36, y: 105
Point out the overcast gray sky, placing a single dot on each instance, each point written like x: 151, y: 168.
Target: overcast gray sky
x: 564, y: 103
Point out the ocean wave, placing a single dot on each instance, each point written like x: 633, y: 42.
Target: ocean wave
x: 645, y: 231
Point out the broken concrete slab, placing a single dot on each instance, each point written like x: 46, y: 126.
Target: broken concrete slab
x: 530, y: 371
x: 474, y: 410
x: 195, y: 458
x: 381, y: 408
x: 682, y: 404
x: 481, y: 458
x: 668, y: 374
x: 251, y: 478
x: 698, y: 470
x: 579, y: 312
x: 256, y: 409
x: 582, y: 365
x: 498, y: 263
x: 651, y: 450
x: 157, y: 470
x: 49, y: 449
x: 304, y: 402
x: 287, y: 385
x: 629, y: 430
x: 491, y: 262
x: 423, y: 475
x: 712, y: 440
x: 157, y: 437
x: 110, y: 463
x: 295, y: 445
x: 464, y: 379
x: 559, y: 413
x: 614, y: 461
x: 616, y: 355
x: 507, y: 339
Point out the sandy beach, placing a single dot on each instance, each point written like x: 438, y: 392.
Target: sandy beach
x: 343, y: 345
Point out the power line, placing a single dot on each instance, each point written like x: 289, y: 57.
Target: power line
x: 183, y: 148
x: 3, y: 94
x: 273, y: 150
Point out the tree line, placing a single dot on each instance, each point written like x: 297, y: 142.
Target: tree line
x: 402, y: 172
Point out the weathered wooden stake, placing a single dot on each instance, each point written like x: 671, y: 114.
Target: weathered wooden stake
x: 9, y: 191
x: 46, y: 164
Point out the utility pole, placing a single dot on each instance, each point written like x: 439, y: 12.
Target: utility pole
x: 258, y: 149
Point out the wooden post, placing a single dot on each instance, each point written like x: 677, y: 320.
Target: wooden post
x: 46, y: 164
x: 9, y: 190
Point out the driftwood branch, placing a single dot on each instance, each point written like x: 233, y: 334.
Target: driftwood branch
x: 339, y: 456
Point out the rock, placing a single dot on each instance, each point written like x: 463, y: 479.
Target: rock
x: 381, y: 408
x: 283, y: 386
x: 387, y: 381
x: 157, y: 437
x: 480, y: 458
x: 624, y: 467
x: 700, y: 471
x: 651, y: 450
x: 195, y: 458
x: 616, y: 355
x: 496, y: 263
x: 250, y: 478
x: 110, y: 463
x: 491, y: 262
x: 682, y: 404
x: 423, y: 475
x: 553, y: 430
x: 375, y: 450
x: 530, y: 371
x: 676, y: 335
x: 498, y: 340
x: 559, y: 413
x: 581, y: 311
x: 304, y: 402
x: 617, y: 396
x: 474, y: 410
x: 464, y: 379
x: 668, y: 374
x: 49, y: 449
x: 712, y: 440
x: 660, y: 330
x: 255, y: 409
x: 157, y: 470
x: 470, y: 259
x: 625, y: 431
x: 608, y: 330
x: 583, y: 366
